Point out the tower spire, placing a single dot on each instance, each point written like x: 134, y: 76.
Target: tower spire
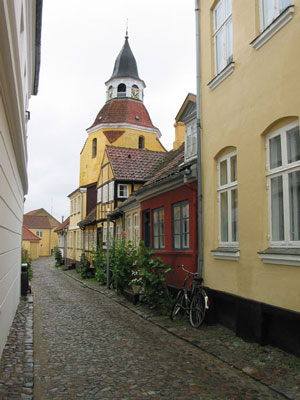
x: 126, y: 36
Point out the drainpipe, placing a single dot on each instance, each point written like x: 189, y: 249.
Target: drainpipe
x: 199, y: 169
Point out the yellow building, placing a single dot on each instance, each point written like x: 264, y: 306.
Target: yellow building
x: 250, y: 106
x: 123, y: 171
x: 42, y: 224
x: 31, y: 243
x: 122, y: 122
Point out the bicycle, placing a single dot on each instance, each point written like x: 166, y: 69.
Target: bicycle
x: 194, y: 303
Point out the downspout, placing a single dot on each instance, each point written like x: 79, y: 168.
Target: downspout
x: 199, y: 169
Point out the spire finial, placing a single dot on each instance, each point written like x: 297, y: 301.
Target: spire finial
x: 126, y: 36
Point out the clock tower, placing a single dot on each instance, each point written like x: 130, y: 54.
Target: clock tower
x: 125, y: 81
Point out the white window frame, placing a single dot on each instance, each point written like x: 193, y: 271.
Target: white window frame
x: 129, y: 225
x: 111, y: 191
x: 75, y: 205
x: 190, y: 140
x: 78, y: 239
x: 275, y: 5
x: 136, y: 228
x: 72, y: 207
x: 104, y: 193
x: 121, y: 187
x: 220, y: 65
x: 99, y: 195
x: 78, y: 204
x: 283, y: 171
x: 281, y: 18
x: 229, y: 187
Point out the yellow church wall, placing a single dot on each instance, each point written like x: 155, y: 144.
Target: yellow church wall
x: 251, y: 102
x: 89, y: 166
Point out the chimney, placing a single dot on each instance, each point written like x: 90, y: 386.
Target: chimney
x: 179, y: 134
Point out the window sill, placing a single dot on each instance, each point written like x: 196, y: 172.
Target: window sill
x: 272, y: 29
x: 226, y: 253
x: 282, y: 256
x: 228, y: 70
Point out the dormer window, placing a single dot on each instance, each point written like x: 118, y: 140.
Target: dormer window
x: 141, y: 142
x: 94, y: 148
x: 122, y: 90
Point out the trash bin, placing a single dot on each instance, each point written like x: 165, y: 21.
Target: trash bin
x: 24, y: 279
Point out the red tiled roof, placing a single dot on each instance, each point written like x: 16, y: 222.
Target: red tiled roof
x: 133, y: 164
x: 168, y: 166
x: 28, y: 235
x: 32, y: 222
x: 124, y: 111
x: 41, y: 212
x: 89, y: 219
x: 63, y: 225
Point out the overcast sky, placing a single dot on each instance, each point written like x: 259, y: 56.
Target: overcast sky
x: 80, y: 42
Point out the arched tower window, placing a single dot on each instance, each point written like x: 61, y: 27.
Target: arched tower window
x: 141, y: 142
x: 122, y: 90
x: 110, y: 92
x: 94, y: 148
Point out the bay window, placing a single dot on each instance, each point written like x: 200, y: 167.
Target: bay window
x: 228, y: 200
x: 283, y: 178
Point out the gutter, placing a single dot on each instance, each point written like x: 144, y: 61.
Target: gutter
x: 199, y: 161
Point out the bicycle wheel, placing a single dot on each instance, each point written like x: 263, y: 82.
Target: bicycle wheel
x: 178, y: 303
x: 197, y: 308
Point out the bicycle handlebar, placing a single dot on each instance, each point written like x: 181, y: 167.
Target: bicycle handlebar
x: 185, y: 270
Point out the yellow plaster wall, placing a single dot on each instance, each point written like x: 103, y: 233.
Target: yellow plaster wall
x: 89, y: 167
x: 33, y: 249
x: 263, y: 88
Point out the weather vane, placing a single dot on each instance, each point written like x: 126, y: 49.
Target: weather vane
x: 126, y: 37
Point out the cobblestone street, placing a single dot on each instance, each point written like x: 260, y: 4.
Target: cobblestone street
x: 87, y: 345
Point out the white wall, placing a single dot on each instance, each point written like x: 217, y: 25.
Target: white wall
x: 17, y: 57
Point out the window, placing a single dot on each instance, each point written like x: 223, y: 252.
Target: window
x: 141, y: 142
x: 118, y: 233
x: 283, y: 176
x: 111, y: 190
x: 39, y: 234
x: 78, y: 240
x: 71, y: 207
x: 75, y: 206
x: 94, y: 148
x: 99, y: 193
x: 122, y: 190
x: 104, y: 189
x: 191, y: 140
x: 129, y: 236
x: 271, y: 9
x: 122, y: 90
x: 158, y: 218
x: 222, y: 22
x: 79, y: 204
x: 136, y: 229
x: 181, y: 225
x: 228, y: 200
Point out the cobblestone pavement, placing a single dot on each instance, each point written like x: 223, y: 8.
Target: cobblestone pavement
x: 93, y: 344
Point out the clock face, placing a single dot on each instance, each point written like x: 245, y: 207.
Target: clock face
x: 134, y: 93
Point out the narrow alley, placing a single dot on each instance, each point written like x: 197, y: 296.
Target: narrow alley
x: 88, y: 346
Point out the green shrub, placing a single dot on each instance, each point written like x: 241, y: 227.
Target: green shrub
x: 124, y: 259
x: 57, y: 256
x: 98, y: 258
x: 85, y: 267
x: 151, y: 276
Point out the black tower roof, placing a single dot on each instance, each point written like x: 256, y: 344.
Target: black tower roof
x: 125, y: 65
